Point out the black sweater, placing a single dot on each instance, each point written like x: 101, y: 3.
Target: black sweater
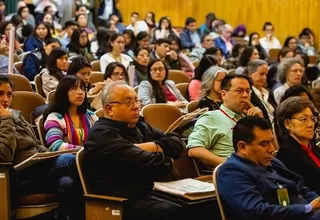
x: 116, y: 167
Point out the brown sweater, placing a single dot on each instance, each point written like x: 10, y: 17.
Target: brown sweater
x: 17, y: 139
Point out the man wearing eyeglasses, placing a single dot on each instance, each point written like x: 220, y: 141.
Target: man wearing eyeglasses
x: 211, y: 139
x: 124, y: 155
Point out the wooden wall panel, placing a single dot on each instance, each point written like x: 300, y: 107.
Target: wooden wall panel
x: 288, y: 16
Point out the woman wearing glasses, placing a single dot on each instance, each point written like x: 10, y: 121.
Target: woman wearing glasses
x: 295, y: 121
x: 158, y: 89
x: 67, y: 119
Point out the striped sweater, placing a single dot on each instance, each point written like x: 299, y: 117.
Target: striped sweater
x: 61, y: 134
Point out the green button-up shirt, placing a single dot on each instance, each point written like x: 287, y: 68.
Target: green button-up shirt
x: 213, y: 131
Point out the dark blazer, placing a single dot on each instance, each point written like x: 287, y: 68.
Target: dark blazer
x: 298, y: 161
x: 257, y: 102
x: 186, y: 41
x: 249, y: 191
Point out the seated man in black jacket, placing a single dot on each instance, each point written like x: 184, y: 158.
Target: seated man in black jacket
x: 124, y: 156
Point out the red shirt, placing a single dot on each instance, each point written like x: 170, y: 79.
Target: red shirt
x: 169, y: 95
x: 312, y: 155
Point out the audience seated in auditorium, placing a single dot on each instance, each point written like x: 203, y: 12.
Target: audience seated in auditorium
x: 79, y: 45
x: 124, y: 155
x: 163, y: 52
x: 67, y: 118
x: 190, y: 36
x: 269, y: 41
x: 247, y: 55
x: 207, y: 27
x: 254, y: 185
x: 69, y: 28
x: 35, y: 61
x: 194, y: 86
x: 41, y: 34
x: 164, y: 29
x: 158, y: 89
x: 211, y: 139
x: 115, y: 48
x: 290, y: 72
x: 261, y: 97
x: 19, y: 142
x: 210, y: 95
x: 225, y: 42
x: 272, y: 79
x: 254, y: 42
x: 141, y: 60
x: 129, y: 42
x: 137, y: 25
x: 296, y: 118
x: 57, y: 64
x: 81, y: 67
x: 305, y: 44
x: 197, y: 53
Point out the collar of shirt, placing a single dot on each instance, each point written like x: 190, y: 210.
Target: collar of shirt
x: 306, y: 148
x: 232, y: 114
x: 264, y: 95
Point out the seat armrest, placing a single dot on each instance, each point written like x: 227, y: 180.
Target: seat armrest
x: 108, y: 198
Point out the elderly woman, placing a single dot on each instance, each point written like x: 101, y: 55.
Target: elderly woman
x: 295, y: 121
x: 210, y: 96
x: 290, y: 72
x: 260, y: 96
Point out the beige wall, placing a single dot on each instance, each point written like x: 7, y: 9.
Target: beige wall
x: 288, y: 16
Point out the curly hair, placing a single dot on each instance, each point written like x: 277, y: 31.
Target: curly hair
x: 284, y: 67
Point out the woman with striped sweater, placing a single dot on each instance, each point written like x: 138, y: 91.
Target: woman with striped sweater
x: 67, y: 119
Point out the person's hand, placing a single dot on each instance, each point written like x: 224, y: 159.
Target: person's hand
x: 173, y: 55
x: 306, y: 44
x: 315, y: 204
x: 4, y: 111
x: 180, y: 104
x: 252, y: 111
x: 98, y: 87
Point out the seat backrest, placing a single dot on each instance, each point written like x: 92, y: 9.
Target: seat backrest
x: 215, y: 178
x: 96, y: 77
x: 192, y: 106
x: 169, y: 114
x: 313, y: 59
x: 99, y: 113
x: 178, y: 76
x: 186, y: 166
x: 20, y: 82
x: 183, y: 88
x: 95, y: 66
x: 79, y: 162
x: 50, y: 96
x: 273, y: 54
x: 19, y: 66
x: 26, y: 102
x: 41, y: 131
x: 38, y: 83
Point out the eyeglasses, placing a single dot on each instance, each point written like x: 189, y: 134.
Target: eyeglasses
x: 160, y: 69
x: 128, y: 102
x: 306, y: 120
x: 240, y: 91
x: 117, y: 74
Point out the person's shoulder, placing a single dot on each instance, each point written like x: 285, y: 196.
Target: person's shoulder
x: 170, y: 82
x: 55, y: 116
x: 105, y: 56
x: 127, y: 57
x: 145, y: 83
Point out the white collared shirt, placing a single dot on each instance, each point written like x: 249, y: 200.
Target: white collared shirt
x: 267, y: 44
x: 264, y: 96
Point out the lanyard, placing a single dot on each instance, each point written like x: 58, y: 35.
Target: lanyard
x: 228, y: 115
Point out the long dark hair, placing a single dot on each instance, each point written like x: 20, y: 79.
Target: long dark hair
x: 47, y: 27
x: 74, y: 45
x: 60, y: 102
x: 206, y: 62
x: 156, y: 88
x: 245, y: 56
x: 132, y: 43
x: 55, y: 54
x: 103, y: 36
x: 113, y: 37
x: 110, y: 68
x: 77, y: 64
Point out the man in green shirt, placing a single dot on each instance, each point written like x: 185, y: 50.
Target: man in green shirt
x: 211, y: 139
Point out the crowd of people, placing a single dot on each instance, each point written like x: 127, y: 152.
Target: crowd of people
x: 259, y: 109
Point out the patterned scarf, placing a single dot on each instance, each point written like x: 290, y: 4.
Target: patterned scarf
x: 75, y: 137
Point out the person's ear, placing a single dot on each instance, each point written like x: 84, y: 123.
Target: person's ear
x: 287, y: 124
x: 241, y: 147
x: 108, y: 110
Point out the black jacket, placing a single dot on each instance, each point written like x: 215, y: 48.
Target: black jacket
x: 255, y: 100
x: 116, y: 167
x: 298, y: 161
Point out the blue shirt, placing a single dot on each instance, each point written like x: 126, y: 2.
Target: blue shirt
x: 195, y: 37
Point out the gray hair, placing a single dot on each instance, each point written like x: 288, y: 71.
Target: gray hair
x: 284, y: 67
x: 208, y: 78
x: 254, y: 64
x: 286, y: 110
x: 107, y: 91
